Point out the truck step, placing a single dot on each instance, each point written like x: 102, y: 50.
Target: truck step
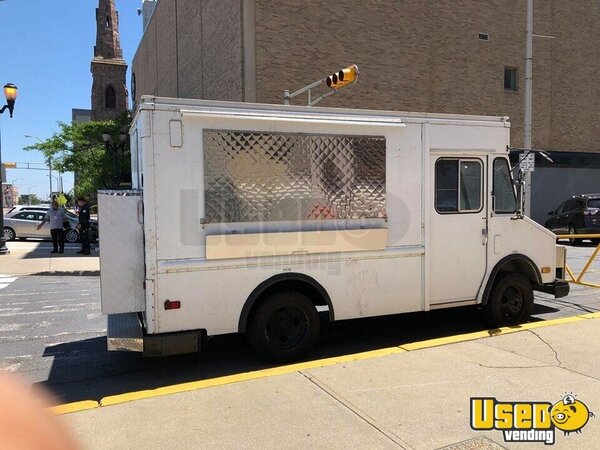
x: 124, y: 333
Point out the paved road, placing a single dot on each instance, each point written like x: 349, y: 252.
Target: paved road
x: 52, y: 331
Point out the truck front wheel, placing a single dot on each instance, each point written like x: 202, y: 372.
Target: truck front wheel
x: 510, y: 301
x: 283, y: 327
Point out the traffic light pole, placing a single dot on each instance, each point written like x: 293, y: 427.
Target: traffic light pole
x: 528, y: 100
x: 287, y: 96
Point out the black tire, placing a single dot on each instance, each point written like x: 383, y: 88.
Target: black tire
x: 71, y: 236
x: 573, y: 241
x: 510, y: 301
x: 9, y: 234
x: 283, y: 327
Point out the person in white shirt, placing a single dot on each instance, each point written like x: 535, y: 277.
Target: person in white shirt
x: 57, y: 217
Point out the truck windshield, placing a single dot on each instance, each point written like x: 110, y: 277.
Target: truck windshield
x: 504, y: 194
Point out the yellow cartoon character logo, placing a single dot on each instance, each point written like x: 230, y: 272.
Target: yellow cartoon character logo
x: 570, y: 415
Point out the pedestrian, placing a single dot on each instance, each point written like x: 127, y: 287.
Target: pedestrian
x: 84, y: 225
x: 57, y: 217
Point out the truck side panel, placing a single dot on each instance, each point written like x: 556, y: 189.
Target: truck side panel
x: 212, y: 297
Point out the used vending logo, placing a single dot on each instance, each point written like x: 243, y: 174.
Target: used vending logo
x: 529, y: 421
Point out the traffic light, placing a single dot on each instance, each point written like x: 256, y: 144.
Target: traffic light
x: 343, y: 78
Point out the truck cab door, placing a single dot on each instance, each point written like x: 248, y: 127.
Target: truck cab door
x: 457, y: 251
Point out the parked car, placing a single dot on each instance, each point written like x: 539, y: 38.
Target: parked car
x: 21, y: 222
x: 579, y: 215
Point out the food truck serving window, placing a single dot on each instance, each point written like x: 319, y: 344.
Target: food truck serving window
x: 458, y: 185
x: 263, y: 176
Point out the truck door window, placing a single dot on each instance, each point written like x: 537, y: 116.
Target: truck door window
x: 505, y: 201
x: 458, y: 184
x: 470, y: 185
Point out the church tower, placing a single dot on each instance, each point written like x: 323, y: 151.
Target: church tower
x: 109, y: 70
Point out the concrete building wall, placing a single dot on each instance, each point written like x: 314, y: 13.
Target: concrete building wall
x: 300, y: 42
x: 192, y: 48
x: 413, y: 55
x: 575, y: 80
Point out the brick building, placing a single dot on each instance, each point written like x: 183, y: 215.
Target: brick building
x: 448, y: 56
x: 109, y: 92
x: 11, y: 195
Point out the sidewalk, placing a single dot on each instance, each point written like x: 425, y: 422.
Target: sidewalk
x: 414, y: 396
x: 31, y: 257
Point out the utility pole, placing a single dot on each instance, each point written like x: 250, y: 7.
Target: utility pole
x: 50, y: 178
x: 528, y: 100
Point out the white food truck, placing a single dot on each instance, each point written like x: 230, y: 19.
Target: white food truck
x: 250, y: 218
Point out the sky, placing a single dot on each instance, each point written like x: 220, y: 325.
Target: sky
x: 47, y: 47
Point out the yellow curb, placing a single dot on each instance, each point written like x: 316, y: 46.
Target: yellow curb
x: 549, y: 323
x: 487, y: 333
x: 281, y: 370
x: 68, y: 408
x: 229, y: 379
x: 594, y: 315
x: 449, y: 340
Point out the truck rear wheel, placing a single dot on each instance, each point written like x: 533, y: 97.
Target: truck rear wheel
x: 284, y: 327
x: 510, y: 301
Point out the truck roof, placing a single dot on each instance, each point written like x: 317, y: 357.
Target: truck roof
x: 246, y: 109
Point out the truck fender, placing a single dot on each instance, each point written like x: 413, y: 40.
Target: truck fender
x: 291, y: 280
x: 513, y: 263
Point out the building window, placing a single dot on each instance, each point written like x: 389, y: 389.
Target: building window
x: 133, y: 86
x: 484, y: 37
x: 110, y: 98
x: 458, y: 185
x: 107, y: 21
x: 510, y: 78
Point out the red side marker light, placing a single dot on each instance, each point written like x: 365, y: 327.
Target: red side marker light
x: 172, y: 304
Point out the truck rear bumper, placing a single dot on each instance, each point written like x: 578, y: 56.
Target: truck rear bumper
x: 559, y: 288
x: 126, y: 333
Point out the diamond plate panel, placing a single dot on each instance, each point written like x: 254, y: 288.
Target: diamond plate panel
x: 263, y: 177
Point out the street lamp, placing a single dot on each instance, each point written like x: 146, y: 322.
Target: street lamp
x: 115, y: 149
x: 10, y: 92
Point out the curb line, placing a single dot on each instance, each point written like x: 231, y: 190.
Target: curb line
x: 67, y: 273
x: 68, y: 408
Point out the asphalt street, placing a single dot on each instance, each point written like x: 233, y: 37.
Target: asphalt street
x: 53, y: 333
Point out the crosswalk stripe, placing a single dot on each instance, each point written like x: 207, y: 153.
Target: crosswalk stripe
x: 5, y: 280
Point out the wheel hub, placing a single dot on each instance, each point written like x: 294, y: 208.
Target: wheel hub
x: 512, y: 302
x: 286, y: 327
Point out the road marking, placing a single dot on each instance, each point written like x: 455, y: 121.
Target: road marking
x: 264, y: 373
x: 5, y: 280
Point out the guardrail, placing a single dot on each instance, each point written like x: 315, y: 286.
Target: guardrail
x: 579, y: 279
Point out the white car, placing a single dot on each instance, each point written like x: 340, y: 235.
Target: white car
x: 22, y: 222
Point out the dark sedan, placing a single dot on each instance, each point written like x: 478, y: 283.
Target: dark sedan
x: 579, y: 215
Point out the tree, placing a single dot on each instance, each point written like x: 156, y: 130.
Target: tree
x: 78, y: 147
x: 30, y: 199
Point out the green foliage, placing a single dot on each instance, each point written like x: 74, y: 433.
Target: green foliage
x: 78, y: 147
